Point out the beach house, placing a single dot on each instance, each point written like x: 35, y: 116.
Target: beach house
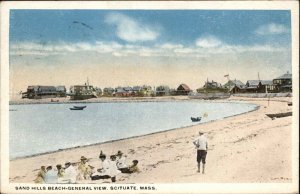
x: 212, y: 87
x: 38, y: 92
x: 108, y: 91
x: 162, y: 90
x: 61, y: 91
x: 183, y: 89
x: 259, y: 86
x: 283, y: 83
x: 235, y: 86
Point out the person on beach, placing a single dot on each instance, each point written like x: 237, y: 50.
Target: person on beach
x: 201, y: 146
x: 50, y: 176
x: 60, y: 170
x: 113, y: 168
x: 60, y: 173
x: 84, y: 169
x: 133, y: 168
x: 70, y: 173
x: 41, y: 175
x: 121, y: 161
x: 104, y: 172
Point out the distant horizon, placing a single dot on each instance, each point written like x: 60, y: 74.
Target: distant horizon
x: 147, y: 47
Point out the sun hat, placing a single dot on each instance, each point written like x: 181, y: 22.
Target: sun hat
x: 83, y: 158
x: 135, y: 161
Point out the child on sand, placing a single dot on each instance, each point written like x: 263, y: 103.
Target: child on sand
x: 133, y: 168
x: 41, y: 175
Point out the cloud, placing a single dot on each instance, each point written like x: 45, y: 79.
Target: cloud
x: 208, y: 42
x: 130, y: 30
x: 271, y: 29
x: 208, y: 47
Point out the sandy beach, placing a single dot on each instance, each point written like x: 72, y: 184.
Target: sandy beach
x: 247, y: 148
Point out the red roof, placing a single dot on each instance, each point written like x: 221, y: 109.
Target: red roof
x: 185, y: 87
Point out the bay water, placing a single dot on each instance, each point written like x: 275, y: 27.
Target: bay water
x: 40, y: 128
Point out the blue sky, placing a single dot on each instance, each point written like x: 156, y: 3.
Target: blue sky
x: 202, y: 43
x: 234, y: 27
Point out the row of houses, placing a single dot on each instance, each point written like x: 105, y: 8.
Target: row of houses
x: 38, y: 92
x: 277, y: 85
x: 280, y: 84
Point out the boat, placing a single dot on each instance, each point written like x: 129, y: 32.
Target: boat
x: 196, y: 119
x: 79, y: 106
x: 278, y: 115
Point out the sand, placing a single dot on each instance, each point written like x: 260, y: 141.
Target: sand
x: 247, y: 148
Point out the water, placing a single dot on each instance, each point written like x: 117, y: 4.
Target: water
x: 39, y: 128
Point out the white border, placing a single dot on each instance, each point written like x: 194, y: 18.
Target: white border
x: 7, y: 187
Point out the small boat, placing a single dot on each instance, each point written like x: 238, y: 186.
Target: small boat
x: 278, y: 115
x: 196, y: 119
x: 78, y: 108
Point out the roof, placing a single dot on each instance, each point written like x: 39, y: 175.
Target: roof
x: 185, y: 87
x: 238, y: 86
x: 136, y: 88
x: 253, y: 82
x: 266, y: 82
x: 108, y: 88
x: 256, y: 82
x: 162, y: 88
x: 285, y: 76
x: 234, y: 82
x: 127, y: 88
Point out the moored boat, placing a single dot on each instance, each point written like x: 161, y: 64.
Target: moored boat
x: 78, y: 108
x: 196, y: 119
x: 278, y: 115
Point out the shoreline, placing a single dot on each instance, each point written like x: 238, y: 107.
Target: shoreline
x: 133, y: 99
x: 98, y: 100
x: 237, y: 144
x: 133, y: 137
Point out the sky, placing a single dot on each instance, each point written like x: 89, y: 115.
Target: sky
x: 151, y: 47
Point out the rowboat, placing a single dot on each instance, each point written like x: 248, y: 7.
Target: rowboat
x: 278, y: 115
x: 196, y: 119
x: 78, y: 108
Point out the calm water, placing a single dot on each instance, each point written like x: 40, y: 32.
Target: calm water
x: 41, y: 128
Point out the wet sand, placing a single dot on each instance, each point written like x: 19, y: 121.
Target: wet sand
x: 247, y: 148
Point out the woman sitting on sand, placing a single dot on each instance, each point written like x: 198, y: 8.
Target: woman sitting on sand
x: 60, y: 173
x: 41, y: 175
x: 84, y: 169
x: 107, y: 171
x: 113, y: 168
x: 70, y: 173
x: 104, y: 172
x: 51, y: 176
x: 121, y: 161
x: 133, y: 168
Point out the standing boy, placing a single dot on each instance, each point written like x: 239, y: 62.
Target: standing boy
x: 201, y: 146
